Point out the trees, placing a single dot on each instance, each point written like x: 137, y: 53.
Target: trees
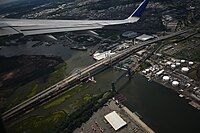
x: 84, y: 113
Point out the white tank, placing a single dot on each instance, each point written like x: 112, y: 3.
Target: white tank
x: 182, y: 61
x: 147, y: 70
x: 168, y: 63
x: 175, y: 83
x: 144, y: 72
x: 191, y: 63
x: 173, y: 66
x: 185, y: 69
x: 178, y: 63
x: 165, y: 78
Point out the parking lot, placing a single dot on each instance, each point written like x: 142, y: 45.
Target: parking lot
x: 98, y: 124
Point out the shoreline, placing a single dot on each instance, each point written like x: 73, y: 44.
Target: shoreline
x: 97, y: 121
x: 137, y: 119
x: 191, y: 102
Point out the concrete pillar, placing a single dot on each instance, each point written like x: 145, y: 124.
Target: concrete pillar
x: 129, y: 73
x: 113, y: 87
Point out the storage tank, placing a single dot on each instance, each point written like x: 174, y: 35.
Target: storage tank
x: 175, y: 83
x: 185, y: 69
x: 173, y: 66
x: 191, y: 63
x: 178, y: 63
x: 182, y: 61
x: 144, y: 72
x: 166, y: 78
x: 147, y: 70
x: 168, y: 63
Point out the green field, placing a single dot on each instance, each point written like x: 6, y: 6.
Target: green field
x: 58, y: 110
x: 32, y: 88
x: 66, y: 96
x: 38, y: 124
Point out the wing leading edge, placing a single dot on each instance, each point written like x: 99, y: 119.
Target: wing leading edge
x: 36, y: 27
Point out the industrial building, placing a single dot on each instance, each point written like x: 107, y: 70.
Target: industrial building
x: 115, y: 120
x: 142, y: 38
x: 129, y: 34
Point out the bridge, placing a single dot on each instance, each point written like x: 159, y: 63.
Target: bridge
x: 76, y: 78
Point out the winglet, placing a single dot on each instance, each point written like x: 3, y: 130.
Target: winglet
x: 138, y: 12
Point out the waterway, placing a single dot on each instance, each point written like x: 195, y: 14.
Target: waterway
x: 73, y: 58
x: 161, y: 108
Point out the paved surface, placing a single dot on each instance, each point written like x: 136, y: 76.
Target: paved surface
x: 137, y: 119
x: 98, y: 124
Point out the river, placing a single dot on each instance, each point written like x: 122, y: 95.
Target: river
x: 161, y: 108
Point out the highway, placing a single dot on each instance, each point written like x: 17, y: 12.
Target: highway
x: 74, y: 79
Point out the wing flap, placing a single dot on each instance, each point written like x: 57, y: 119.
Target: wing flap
x: 8, y: 31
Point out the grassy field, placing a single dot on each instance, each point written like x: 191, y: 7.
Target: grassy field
x: 62, y: 107
x: 32, y: 88
x: 38, y: 124
x: 68, y: 103
x: 33, y: 91
x: 66, y: 96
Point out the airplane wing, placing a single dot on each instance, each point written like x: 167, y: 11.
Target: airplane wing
x: 36, y: 27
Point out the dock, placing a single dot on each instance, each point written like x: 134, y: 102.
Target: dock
x: 138, y: 120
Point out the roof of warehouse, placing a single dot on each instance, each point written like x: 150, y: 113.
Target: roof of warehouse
x: 115, y: 120
x: 144, y: 37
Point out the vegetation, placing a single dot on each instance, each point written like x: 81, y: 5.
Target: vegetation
x: 81, y: 115
x: 38, y: 124
x: 78, y: 108
x: 32, y: 88
x: 20, y: 70
x: 144, y: 65
x: 66, y: 96
x: 195, y: 73
x: 33, y: 91
x: 188, y: 55
x: 87, y: 97
x: 55, y: 76
x: 57, y: 102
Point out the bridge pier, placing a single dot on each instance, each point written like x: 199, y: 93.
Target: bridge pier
x: 129, y: 73
x: 113, y: 87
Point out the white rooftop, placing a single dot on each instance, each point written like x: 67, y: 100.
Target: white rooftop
x: 115, y: 120
x: 144, y: 37
x: 185, y: 69
x: 100, y: 56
